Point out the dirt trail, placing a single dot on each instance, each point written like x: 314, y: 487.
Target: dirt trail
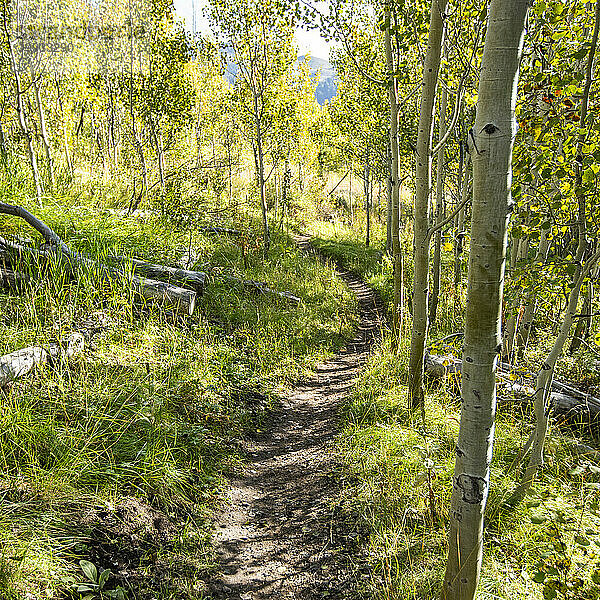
x: 278, y: 535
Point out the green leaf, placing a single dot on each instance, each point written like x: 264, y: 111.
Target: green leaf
x: 539, y: 577
x: 104, y: 577
x: 581, y: 540
x: 89, y: 570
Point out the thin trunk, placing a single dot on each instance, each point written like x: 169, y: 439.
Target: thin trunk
x: 544, y: 383
x: 159, y: 154
x: 584, y: 321
x: 350, y: 196
x: 494, y: 132
x: 367, y: 179
x: 460, y: 218
x: 43, y: 130
x: 421, y: 212
x: 389, y: 217
x: 64, y: 128
x: 439, y: 214
x: 525, y: 325
x: 261, y: 182
x: 3, y: 148
x: 394, y: 189
x: 520, y: 251
x: 22, y: 118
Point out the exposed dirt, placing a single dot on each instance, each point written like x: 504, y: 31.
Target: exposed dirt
x: 280, y: 533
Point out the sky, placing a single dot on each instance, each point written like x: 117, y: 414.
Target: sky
x: 309, y: 42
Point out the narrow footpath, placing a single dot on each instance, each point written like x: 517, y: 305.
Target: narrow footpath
x: 278, y: 534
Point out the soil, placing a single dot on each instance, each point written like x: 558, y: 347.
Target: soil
x: 281, y: 532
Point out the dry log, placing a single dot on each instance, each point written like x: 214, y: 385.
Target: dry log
x: 576, y: 410
x: 577, y: 406
x: 21, y: 362
x: 587, y: 452
x: 196, y: 279
x: 12, y: 279
x: 438, y: 366
x: 182, y: 299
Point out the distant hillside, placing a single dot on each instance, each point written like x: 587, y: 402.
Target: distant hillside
x: 327, y: 87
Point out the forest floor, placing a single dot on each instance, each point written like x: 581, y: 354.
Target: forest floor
x: 279, y: 534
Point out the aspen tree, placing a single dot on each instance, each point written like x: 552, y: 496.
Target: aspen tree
x: 394, y: 183
x: 493, y: 137
x: 420, y: 325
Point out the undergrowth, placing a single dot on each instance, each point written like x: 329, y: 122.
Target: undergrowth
x: 400, y: 470
x: 114, y: 457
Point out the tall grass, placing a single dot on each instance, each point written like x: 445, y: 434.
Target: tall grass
x: 155, y: 407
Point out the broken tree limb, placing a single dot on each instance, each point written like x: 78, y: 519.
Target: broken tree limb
x: 182, y: 299
x: 196, y: 279
x: 48, y: 234
x: 12, y: 279
x: 575, y: 405
x: 19, y: 363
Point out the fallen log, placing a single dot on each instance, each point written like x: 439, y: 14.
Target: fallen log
x: 196, y: 279
x: 12, y: 279
x: 438, y: 366
x: 575, y: 409
x: 565, y: 399
x: 182, y: 299
x: 19, y: 363
x: 587, y: 452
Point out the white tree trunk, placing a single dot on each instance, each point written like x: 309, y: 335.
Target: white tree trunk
x: 439, y: 212
x: 421, y: 213
x: 526, y: 322
x: 22, y: 117
x: 394, y: 187
x: 459, y: 243
x: 494, y: 131
x: 43, y: 129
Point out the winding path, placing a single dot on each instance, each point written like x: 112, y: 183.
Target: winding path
x: 278, y: 534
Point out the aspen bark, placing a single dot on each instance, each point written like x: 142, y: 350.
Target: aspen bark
x: 22, y: 117
x: 394, y: 189
x: 460, y: 218
x: 43, y: 129
x: 584, y: 323
x: 526, y: 322
x: 388, y: 193
x: 367, y: 189
x: 421, y: 211
x: 519, y: 253
x: 64, y: 127
x: 439, y: 213
x: 260, y: 168
x: 494, y: 132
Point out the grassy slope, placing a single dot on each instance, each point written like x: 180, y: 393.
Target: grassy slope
x: 115, y: 457
x: 402, y: 470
